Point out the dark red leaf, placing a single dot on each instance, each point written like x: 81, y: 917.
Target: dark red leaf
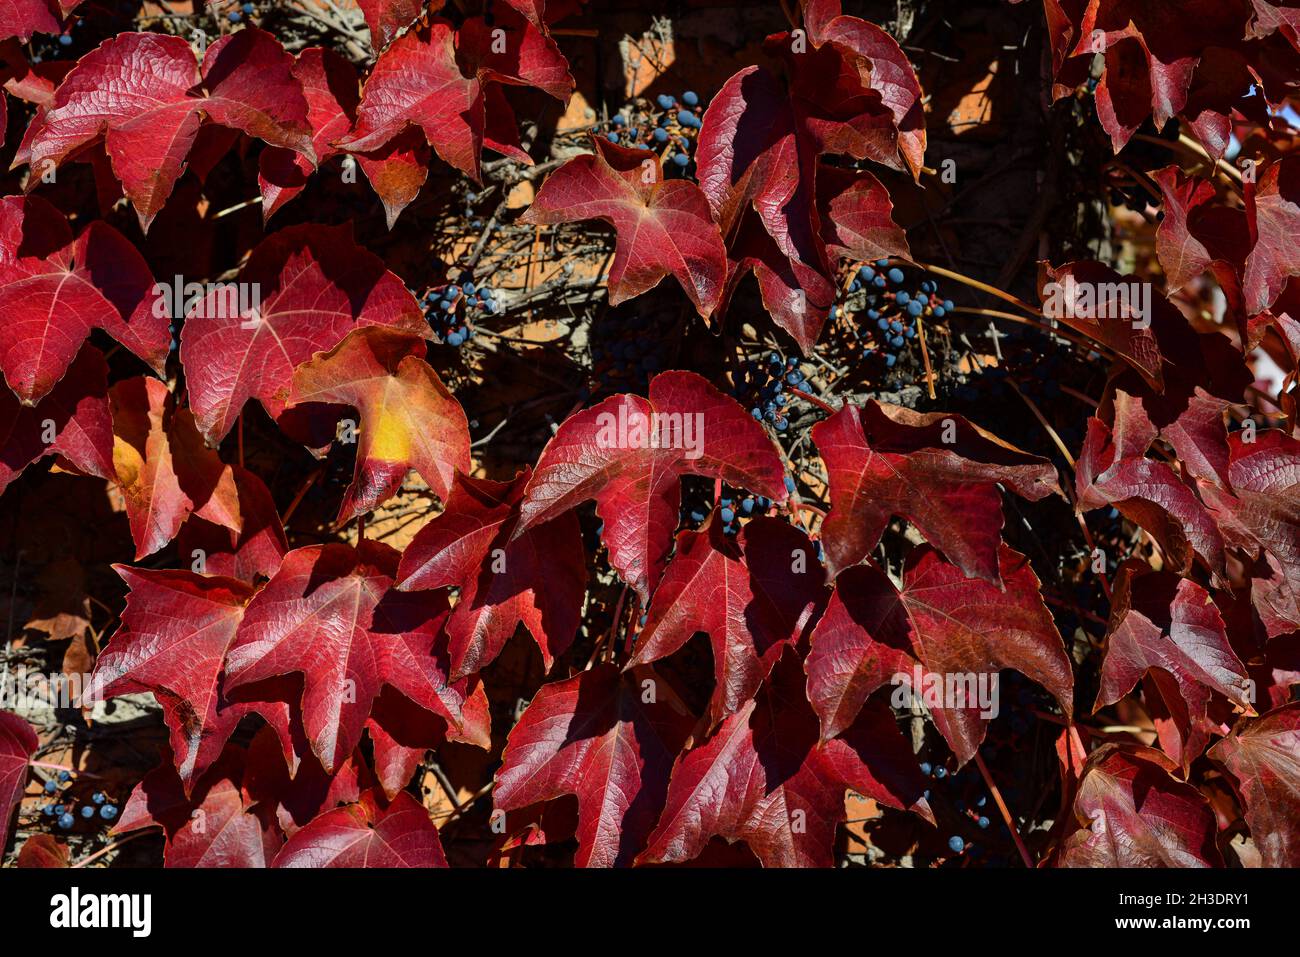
x: 1263, y: 756
x: 17, y: 742
x: 628, y: 452
x: 367, y: 834
x: 606, y: 738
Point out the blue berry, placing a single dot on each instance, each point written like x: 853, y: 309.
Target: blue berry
x: 789, y: 484
x: 685, y: 118
x: 612, y: 137
x: 956, y: 844
x: 66, y: 821
x: 690, y: 98
x: 940, y: 773
x: 747, y: 505
x: 665, y: 101
x: 99, y: 797
x: 902, y: 298
x: 108, y: 812
x: 890, y: 359
x: 882, y: 324
x: 879, y: 282
x: 48, y: 810
x: 51, y: 786
x: 234, y: 16
x: 925, y: 768
x: 65, y: 40
x: 897, y: 342
x: 728, y: 515
x: 660, y: 135
x: 617, y: 119
x: 947, y: 304
x: 938, y: 312
x: 895, y: 326
x: 983, y: 821
x: 981, y: 800
x: 866, y: 273
x: 681, y: 159
x: 882, y: 263
x: 455, y: 339
x: 915, y: 308
x: 895, y: 275
x: 87, y: 811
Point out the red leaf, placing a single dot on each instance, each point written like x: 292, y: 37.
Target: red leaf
x: 409, y: 420
x: 17, y: 742
x: 176, y: 629
x: 165, y: 471
x: 146, y: 95
x: 1159, y: 621
x: 753, y: 597
x: 222, y: 832
x: 1264, y: 758
x: 1112, y: 470
x: 75, y: 417
x: 937, y: 470
x: 946, y: 627
x: 42, y: 850
x: 320, y: 616
x: 386, y: 18
x: 1274, y: 212
x: 56, y: 290
x: 663, y: 226
x: 438, y: 79
x: 537, y: 577
x: 763, y: 778
x: 22, y: 18
x: 628, y: 452
x: 367, y: 834
x: 252, y: 552
x: 1134, y: 814
x: 605, y: 738
x: 315, y: 286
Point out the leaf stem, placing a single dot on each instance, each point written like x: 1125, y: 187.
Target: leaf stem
x: 1006, y: 814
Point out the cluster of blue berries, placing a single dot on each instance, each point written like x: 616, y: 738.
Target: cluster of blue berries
x: 975, y: 812
x: 246, y: 10
x: 61, y: 810
x: 671, y: 132
x: 888, y: 311
x: 451, y: 310
x: 762, y: 387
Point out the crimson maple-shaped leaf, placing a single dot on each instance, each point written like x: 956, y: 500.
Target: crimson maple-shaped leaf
x: 764, y: 778
x: 55, y: 289
x: 537, y: 578
x: 73, y: 421
x: 253, y: 552
x: 446, y: 82
x: 955, y: 632
x: 369, y: 833
x: 330, y: 84
x: 212, y: 824
x: 663, y: 226
x: 320, y: 616
x: 146, y: 95
x: 628, y: 453
x: 163, y: 468
x: 606, y: 738
x: 17, y: 742
x: 1160, y: 622
x: 1260, y: 515
x: 1273, y: 210
x: 1195, y: 59
x: 1113, y: 470
x: 851, y: 91
x: 22, y: 18
x: 1263, y: 756
x: 408, y: 418
x: 753, y: 597
x: 1133, y: 813
x: 314, y: 286
x: 176, y: 629
x: 936, y: 469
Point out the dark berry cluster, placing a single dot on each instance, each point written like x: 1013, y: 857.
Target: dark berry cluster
x: 763, y: 388
x: 670, y: 130
x: 888, y: 311
x: 452, y: 310
x: 60, y: 808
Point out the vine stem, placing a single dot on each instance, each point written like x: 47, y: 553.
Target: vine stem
x: 981, y: 286
x: 1006, y: 813
x: 111, y: 847
x: 809, y: 397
